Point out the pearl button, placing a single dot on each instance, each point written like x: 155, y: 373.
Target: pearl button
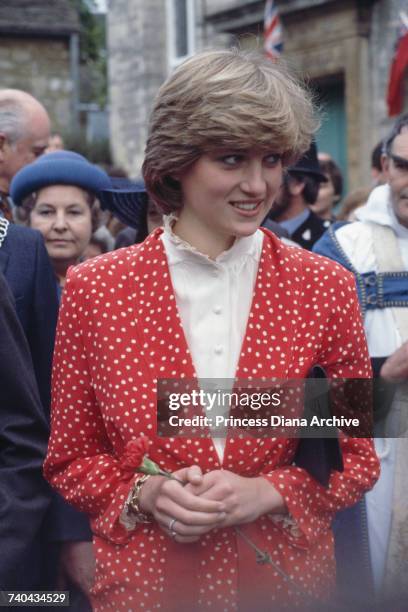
x: 217, y: 309
x: 218, y: 350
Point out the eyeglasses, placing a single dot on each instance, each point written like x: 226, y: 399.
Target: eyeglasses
x: 401, y: 163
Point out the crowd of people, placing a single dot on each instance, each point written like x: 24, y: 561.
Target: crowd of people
x: 208, y: 267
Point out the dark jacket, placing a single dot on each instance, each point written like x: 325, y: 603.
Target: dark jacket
x: 25, y: 264
x: 27, y: 269
x: 309, y: 232
x: 24, y: 495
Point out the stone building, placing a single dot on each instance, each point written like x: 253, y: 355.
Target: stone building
x: 343, y: 48
x: 39, y: 54
x: 145, y: 41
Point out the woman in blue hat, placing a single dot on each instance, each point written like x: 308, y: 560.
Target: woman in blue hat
x: 59, y: 193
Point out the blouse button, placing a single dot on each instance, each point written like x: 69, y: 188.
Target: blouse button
x: 218, y: 350
x: 217, y: 309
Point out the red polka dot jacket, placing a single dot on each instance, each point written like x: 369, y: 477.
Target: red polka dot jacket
x: 118, y: 332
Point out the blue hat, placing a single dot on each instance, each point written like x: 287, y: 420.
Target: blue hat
x: 58, y: 168
x: 126, y: 200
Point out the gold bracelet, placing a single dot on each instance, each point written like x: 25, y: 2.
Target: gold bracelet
x: 132, y: 506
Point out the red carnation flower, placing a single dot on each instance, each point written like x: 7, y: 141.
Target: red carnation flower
x: 135, y: 451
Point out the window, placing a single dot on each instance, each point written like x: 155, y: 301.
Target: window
x: 180, y: 30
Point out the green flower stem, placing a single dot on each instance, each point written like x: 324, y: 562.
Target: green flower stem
x: 263, y: 558
x: 150, y: 467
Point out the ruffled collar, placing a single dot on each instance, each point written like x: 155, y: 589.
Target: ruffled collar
x: 180, y: 249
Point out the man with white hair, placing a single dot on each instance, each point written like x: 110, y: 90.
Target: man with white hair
x: 24, y: 135
x: 375, y: 249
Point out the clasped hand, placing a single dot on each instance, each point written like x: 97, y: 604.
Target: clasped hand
x: 395, y: 368
x: 207, y: 501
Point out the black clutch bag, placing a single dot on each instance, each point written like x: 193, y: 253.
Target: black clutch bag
x: 318, y: 456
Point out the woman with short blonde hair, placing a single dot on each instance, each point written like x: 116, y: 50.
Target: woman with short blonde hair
x: 225, y: 98
x: 209, y: 297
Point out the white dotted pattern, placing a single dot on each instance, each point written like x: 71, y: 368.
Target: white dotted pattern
x: 118, y: 332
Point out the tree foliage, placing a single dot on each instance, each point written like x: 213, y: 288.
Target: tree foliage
x: 92, y: 42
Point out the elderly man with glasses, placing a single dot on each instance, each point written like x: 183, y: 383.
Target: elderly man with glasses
x: 375, y: 249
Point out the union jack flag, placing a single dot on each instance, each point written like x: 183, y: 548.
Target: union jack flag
x: 273, y: 39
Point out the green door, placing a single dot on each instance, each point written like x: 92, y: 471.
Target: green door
x: 331, y: 137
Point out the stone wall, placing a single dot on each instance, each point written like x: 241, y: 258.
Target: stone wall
x: 137, y: 67
x: 332, y: 41
x: 41, y: 67
x: 326, y: 40
x: 351, y: 40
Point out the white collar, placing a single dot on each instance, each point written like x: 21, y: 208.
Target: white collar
x: 179, y: 250
x: 379, y: 210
